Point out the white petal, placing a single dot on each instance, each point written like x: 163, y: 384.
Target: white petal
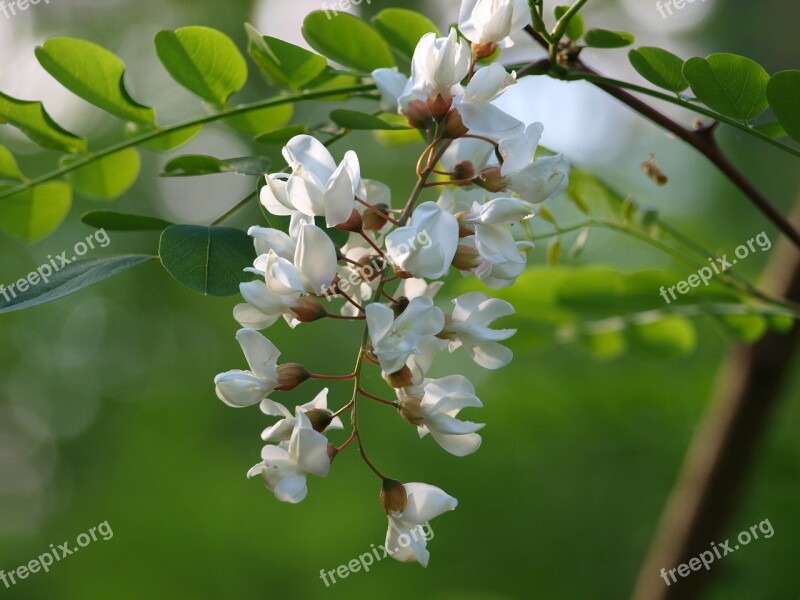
x: 488, y: 120
x: 252, y: 318
x: 315, y: 258
x: 488, y: 83
x: 458, y: 445
x: 261, y: 354
x: 292, y: 489
x: 426, y: 502
x: 240, y: 388
x: 312, y: 154
x: 339, y: 197
x: 274, y: 196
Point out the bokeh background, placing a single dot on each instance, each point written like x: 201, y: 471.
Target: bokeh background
x: 107, y: 408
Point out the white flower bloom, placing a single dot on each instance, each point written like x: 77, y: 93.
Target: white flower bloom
x: 503, y: 257
x: 282, y: 430
x: 426, y: 246
x: 439, y: 65
x: 469, y: 327
x: 285, y: 467
x: 478, y: 113
x: 312, y: 270
x: 416, y: 288
x: 245, y: 388
x: 436, y: 413
x: 493, y: 21
x: 476, y: 152
x: 425, y: 502
x: 533, y: 181
x: 501, y: 210
x: 392, y: 85
x: 394, y: 340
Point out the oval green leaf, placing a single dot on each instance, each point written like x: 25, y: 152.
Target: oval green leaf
x: 783, y: 92
x: 576, y: 25
x: 8, y: 165
x: 93, y: 73
x: 602, y: 38
x: 191, y: 165
x: 284, y: 64
x: 348, y: 40
x: 209, y: 260
x: 733, y: 85
x: 77, y: 275
x: 107, y: 178
x: 115, y: 221
x: 403, y: 28
x: 32, y: 119
x: 204, y: 61
x: 659, y: 67
x: 669, y: 337
x: 37, y: 211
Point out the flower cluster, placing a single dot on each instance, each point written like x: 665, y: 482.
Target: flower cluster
x: 482, y: 161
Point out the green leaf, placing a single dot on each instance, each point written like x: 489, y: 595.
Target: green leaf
x: 191, y: 165
x: 106, y: 178
x: 659, y: 67
x: 348, y: 40
x: 667, y: 337
x: 783, y: 91
x: 32, y: 119
x: 733, y: 85
x: 747, y: 328
x: 284, y: 64
x: 403, y: 29
x: 210, y: 260
x: 575, y: 27
x: 37, y: 211
x: 166, y: 142
x: 281, y: 135
x: 602, y: 38
x: 351, y: 119
x: 115, y: 221
x: 204, y: 61
x: 77, y: 275
x: 772, y: 129
x: 95, y: 74
x: 255, y: 122
x: 8, y: 165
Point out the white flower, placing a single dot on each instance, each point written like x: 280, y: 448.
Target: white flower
x: 478, y: 113
x: 316, y: 187
x: 245, y: 388
x: 503, y: 257
x: 394, y: 340
x: 312, y: 270
x: 426, y: 246
x: 533, y: 181
x: 392, y: 85
x: 436, y: 413
x: 501, y: 210
x: 492, y: 21
x: 282, y: 430
x: 439, y: 65
x: 469, y: 327
x: 425, y: 502
x: 285, y: 467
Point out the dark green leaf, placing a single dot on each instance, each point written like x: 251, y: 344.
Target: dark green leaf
x: 733, y: 85
x: 772, y: 129
x: 191, y: 165
x: 32, y: 119
x: 348, y: 40
x: 210, y: 260
x: 283, y: 63
x: 403, y: 29
x: 602, y: 38
x: 115, y: 221
x: 659, y: 67
x: 282, y: 135
x: 783, y: 91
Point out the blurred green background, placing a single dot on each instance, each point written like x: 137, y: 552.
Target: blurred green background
x: 107, y: 407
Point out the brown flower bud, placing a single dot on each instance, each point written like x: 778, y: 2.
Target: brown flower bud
x: 371, y: 267
x: 454, y: 127
x: 466, y: 258
x: 400, y: 379
x: 333, y: 451
x: 481, y: 51
x: 309, y: 309
x: 409, y: 409
x: 464, y: 170
x: 465, y: 229
x: 400, y: 306
x: 439, y: 107
x: 290, y: 375
x: 354, y: 223
x: 320, y: 418
x: 491, y: 180
x: 418, y: 114
x: 372, y: 220
x: 394, y: 497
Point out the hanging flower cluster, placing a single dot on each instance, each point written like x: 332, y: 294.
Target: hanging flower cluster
x: 482, y: 160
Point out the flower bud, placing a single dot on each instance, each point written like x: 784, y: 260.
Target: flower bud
x: 290, y: 376
x: 320, y: 418
x: 354, y: 223
x: 333, y: 451
x: 409, y: 409
x: 439, y: 107
x: 394, y: 497
x: 372, y: 220
x: 447, y: 333
x: 491, y: 180
x: 400, y: 306
x: 309, y: 309
x: 465, y: 229
x: 464, y: 170
x: 481, y: 51
x: 466, y: 258
x: 454, y: 127
x: 371, y: 267
x: 400, y: 379
x: 418, y: 114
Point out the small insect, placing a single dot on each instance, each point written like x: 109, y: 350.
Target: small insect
x: 653, y: 171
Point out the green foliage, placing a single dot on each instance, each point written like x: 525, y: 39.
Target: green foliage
x: 116, y: 221
x: 37, y: 211
x: 602, y: 38
x: 402, y: 29
x: 191, y: 165
x: 210, y: 260
x: 351, y: 119
x: 32, y: 119
x: 733, y: 85
x: 204, y: 61
x: 8, y: 166
x: 71, y: 278
x: 259, y: 121
x: 106, y: 178
x: 164, y: 142
x: 348, y: 40
x: 94, y: 74
x: 284, y: 64
x: 659, y: 67
x: 783, y: 92
x: 576, y: 25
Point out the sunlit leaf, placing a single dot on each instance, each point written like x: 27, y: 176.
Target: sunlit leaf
x: 659, y: 67
x: 733, y: 85
x: 255, y: 122
x: 348, y: 40
x: 8, y: 165
x: 783, y: 92
x: 283, y: 63
x: 403, y: 29
x: 106, y: 178
x: 32, y: 119
x: 37, y: 211
x: 575, y: 27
